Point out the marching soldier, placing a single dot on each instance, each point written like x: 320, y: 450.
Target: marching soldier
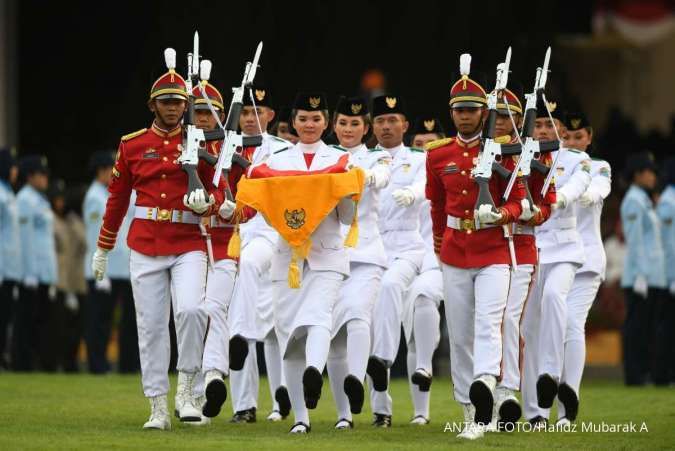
x: 251, y: 312
x: 644, y: 274
x: 350, y: 346
x: 168, y: 260
x: 103, y: 294
x: 589, y: 277
x: 399, y: 210
x: 473, y: 253
x: 561, y: 255
x: 421, y: 322
x: 38, y: 261
x: 10, y: 246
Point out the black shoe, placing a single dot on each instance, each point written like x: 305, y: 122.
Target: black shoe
x: 284, y: 401
x: 509, y: 413
x: 216, y: 394
x: 538, y: 422
x: 244, y: 416
x: 354, y: 390
x: 381, y: 420
x: 377, y: 370
x: 312, y: 381
x: 482, y: 399
x: 547, y: 389
x: 238, y: 352
x: 569, y: 400
x: 422, y: 379
x: 303, y: 429
x: 346, y: 424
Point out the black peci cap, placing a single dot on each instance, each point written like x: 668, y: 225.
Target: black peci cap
x: 427, y: 124
x: 388, y: 104
x: 553, y: 106
x: 261, y: 95
x: 310, y: 101
x: 32, y: 164
x: 352, y: 106
x: 576, y: 121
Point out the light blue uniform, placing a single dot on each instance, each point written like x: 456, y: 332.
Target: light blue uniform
x: 10, y: 244
x: 666, y: 212
x: 92, y: 212
x: 644, y: 249
x: 36, y: 232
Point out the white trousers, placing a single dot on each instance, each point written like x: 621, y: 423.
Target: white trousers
x: 584, y: 290
x: 521, y: 282
x: 156, y: 282
x: 543, y: 330
x: 475, y: 299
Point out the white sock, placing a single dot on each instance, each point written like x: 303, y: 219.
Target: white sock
x: 317, y: 346
x: 294, y: 367
x: 337, y: 371
x: 426, y: 330
x: 420, y: 399
x: 273, y: 365
x: 358, y: 347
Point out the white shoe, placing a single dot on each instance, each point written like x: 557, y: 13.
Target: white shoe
x: 205, y: 421
x: 481, y: 394
x: 564, y: 422
x: 187, y: 407
x: 216, y: 393
x: 471, y: 431
x: 274, y: 416
x: 509, y: 410
x: 420, y: 420
x: 159, y: 414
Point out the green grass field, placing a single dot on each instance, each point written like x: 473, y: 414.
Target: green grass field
x: 87, y: 412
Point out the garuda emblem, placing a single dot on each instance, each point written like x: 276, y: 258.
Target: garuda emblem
x: 295, y: 219
x: 429, y: 125
x: 575, y: 123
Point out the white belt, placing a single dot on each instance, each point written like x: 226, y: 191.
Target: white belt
x: 215, y: 223
x: 562, y: 223
x: 164, y: 215
x: 466, y: 224
x: 520, y: 229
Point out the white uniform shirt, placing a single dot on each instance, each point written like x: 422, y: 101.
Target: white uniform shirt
x: 328, y: 252
x: 588, y: 218
x: 558, y: 238
x: 408, y: 170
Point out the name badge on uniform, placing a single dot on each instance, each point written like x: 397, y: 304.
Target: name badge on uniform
x: 450, y: 168
x: 406, y: 167
x: 150, y: 154
x: 560, y: 170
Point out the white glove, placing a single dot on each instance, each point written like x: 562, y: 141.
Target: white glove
x: 404, y: 197
x: 528, y: 210
x: 586, y: 200
x: 104, y: 285
x: 227, y: 209
x: 30, y: 282
x: 672, y: 288
x: 71, y: 302
x: 197, y: 201
x: 640, y: 286
x: 486, y: 215
x: 51, y: 293
x: 560, y: 201
x: 99, y: 262
x: 370, y: 177
x: 381, y: 181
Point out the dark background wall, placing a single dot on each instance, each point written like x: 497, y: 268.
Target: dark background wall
x: 85, y: 68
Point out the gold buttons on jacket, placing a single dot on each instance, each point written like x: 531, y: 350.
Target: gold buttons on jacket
x: 466, y: 212
x: 465, y: 154
x: 163, y: 195
x: 165, y: 159
x: 464, y: 192
x: 163, y: 176
x: 463, y: 172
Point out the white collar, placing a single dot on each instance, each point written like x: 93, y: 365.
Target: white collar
x: 309, y: 148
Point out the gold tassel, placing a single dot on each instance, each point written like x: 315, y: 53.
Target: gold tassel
x: 352, y: 238
x: 234, y: 246
x: 298, y: 255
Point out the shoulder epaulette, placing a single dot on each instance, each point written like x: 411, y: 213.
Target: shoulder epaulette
x: 438, y: 143
x: 281, y: 150
x: 134, y: 134
x: 416, y: 149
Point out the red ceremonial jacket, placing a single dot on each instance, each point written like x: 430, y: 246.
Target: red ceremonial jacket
x: 452, y: 191
x: 147, y: 162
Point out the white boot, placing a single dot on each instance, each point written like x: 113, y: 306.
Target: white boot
x: 481, y: 394
x: 205, y: 421
x: 509, y: 410
x: 472, y: 431
x: 216, y: 393
x: 159, y: 414
x: 187, y: 407
x: 493, y: 426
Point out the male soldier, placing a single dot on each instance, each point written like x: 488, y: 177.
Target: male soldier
x: 589, y: 277
x: 104, y: 293
x: 421, y: 321
x: 251, y: 314
x: 644, y: 275
x: 168, y: 258
x: 400, y: 204
x: 474, y: 254
x: 561, y: 255
x: 507, y: 409
x: 38, y: 259
x: 10, y: 245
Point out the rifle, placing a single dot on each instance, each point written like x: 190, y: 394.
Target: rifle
x: 491, y: 151
x: 228, y: 132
